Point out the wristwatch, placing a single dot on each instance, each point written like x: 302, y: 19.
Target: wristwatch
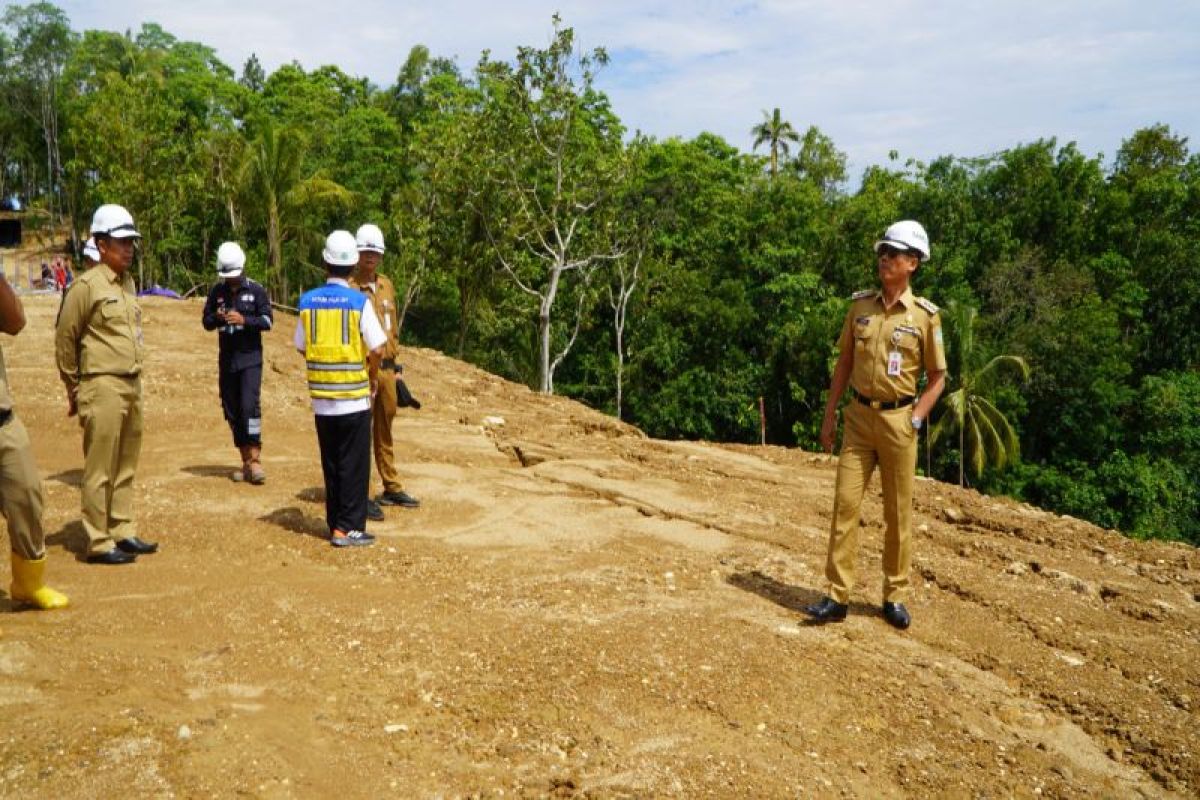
x: 917, y: 422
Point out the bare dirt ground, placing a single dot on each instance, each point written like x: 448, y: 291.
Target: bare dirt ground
x: 575, y: 610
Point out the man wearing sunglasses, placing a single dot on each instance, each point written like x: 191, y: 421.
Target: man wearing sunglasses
x: 99, y: 349
x: 888, y: 339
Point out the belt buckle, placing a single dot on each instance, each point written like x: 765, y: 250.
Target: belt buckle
x: 875, y: 404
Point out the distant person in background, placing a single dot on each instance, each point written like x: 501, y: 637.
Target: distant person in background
x: 240, y: 310
x: 60, y: 274
x: 47, y: 278
x: 20, y: 485
x: 378, y: 287
x: 888, y: 339
x: 91, y: 256
x: 342, y: 343
x: 99, y: 349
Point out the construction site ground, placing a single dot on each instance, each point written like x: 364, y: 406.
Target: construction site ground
x: 575, y: 610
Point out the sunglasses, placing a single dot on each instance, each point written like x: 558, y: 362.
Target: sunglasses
x: 887, y: 251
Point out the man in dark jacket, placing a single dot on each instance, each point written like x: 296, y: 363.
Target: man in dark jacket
x: 240, y: 310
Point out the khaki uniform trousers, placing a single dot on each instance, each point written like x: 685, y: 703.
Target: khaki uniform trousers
x: 383, y: 411
x: 21, y: 492
x: 110, y: 411
x: 887, y: 439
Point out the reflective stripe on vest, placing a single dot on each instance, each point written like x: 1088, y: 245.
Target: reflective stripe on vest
x: 335, y: 355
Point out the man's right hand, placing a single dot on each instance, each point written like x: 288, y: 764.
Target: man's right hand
x: 828, y: 432
x: 72, y: 405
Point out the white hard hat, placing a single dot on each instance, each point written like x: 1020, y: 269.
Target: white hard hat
x: 230, y: 260
x: 369, y: 238
x: 340, y: 249
x: 906, y: 235
x: 89, y: 250
x: 115, y: 221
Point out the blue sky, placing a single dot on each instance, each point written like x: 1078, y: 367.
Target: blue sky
x: 923, y: 77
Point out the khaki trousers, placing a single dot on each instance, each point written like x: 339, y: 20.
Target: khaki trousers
x: 21, y: 492
x: 383, y: 411
x: 887, y: 439
x: 110, y: 411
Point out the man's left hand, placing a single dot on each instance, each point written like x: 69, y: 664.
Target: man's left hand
x: 234, y: 318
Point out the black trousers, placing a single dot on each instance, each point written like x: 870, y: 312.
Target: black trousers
x: 346, y: 462
x: 240, y: 392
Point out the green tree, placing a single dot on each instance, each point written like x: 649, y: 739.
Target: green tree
x: 985, y: 435
x: 558, y: 159
x: 275, y: 192
x: 775, y: 132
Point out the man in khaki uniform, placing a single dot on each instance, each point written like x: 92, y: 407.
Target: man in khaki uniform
x: 382, y: 293
x: 99, y: 349
x: 889, y: 337
x: 20, y: 485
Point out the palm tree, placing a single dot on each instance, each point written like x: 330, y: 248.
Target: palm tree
x: 983, y: 430
x: 777, y: 133
x: 273, y: 191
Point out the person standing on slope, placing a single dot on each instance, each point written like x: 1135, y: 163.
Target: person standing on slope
x: 342, y: 343
x: 20, y: 485
x: 240, y: 310
x: 378, y: 287
x: 888, y: 339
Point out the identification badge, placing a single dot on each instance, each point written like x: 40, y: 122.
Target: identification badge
x: 894, y: 363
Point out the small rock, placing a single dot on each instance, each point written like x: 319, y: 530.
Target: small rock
x: 493, y: 422
x: 1016, y: 568
x: 922, y: 528
x: 395, y: 727
x: 952, y: 515
x: 762, y: 726
x: 185, y: 732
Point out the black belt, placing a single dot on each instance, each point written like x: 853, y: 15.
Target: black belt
x: 388, y: 363
x: 879, y: 404
x: 5, y: 416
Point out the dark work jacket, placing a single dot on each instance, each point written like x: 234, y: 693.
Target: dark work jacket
x: 241, y: 345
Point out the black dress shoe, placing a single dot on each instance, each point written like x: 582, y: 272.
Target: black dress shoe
x: 828, y: 610
x: 399, y: 499
x: 374, y: 511
x: 897, y: 615
x: 111, y: 557
x: 137, y: 547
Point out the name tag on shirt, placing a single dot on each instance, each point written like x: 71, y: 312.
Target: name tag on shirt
x: 893, y: 368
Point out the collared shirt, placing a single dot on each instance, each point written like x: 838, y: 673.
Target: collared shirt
x: 99, y: 328
x: 373, y: 336
x: 383, y: 298
x: 240, y: 346
x: 912, y: 328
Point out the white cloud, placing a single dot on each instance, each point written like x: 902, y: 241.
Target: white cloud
x: 924, y: 77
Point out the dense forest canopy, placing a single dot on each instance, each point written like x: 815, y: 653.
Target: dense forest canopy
x: 672, y: 282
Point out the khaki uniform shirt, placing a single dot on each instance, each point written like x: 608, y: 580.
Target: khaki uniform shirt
x: 6, y: 401
x: 911, y: 328
x: 383, y: 298
x: 99, y: 327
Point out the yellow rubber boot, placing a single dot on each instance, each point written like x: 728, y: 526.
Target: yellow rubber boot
x: 28, y: 584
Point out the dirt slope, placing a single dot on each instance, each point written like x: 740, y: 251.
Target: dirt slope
x: 576, y: 610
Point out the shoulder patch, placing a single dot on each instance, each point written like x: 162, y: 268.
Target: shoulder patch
x: 928, y: 306
x: 865, y: 293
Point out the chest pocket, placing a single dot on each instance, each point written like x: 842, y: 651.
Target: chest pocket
x: 112, y: 311
x: 865, y: 329
x: 907, y: 338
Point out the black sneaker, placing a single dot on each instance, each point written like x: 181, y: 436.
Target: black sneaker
x: 351, y: 539
x: 897, y: 615
x: 374, y: 512
x: 403, y: 499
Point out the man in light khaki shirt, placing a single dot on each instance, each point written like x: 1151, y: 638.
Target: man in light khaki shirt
x: 99, y: 350
x: 888, y: 339
x: 382, y: 294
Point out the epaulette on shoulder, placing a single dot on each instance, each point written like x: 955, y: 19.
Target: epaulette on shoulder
x: 928, y: 306
x: 865, y: 293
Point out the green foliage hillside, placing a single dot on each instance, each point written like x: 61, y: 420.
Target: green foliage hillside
x: 530, y: 233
